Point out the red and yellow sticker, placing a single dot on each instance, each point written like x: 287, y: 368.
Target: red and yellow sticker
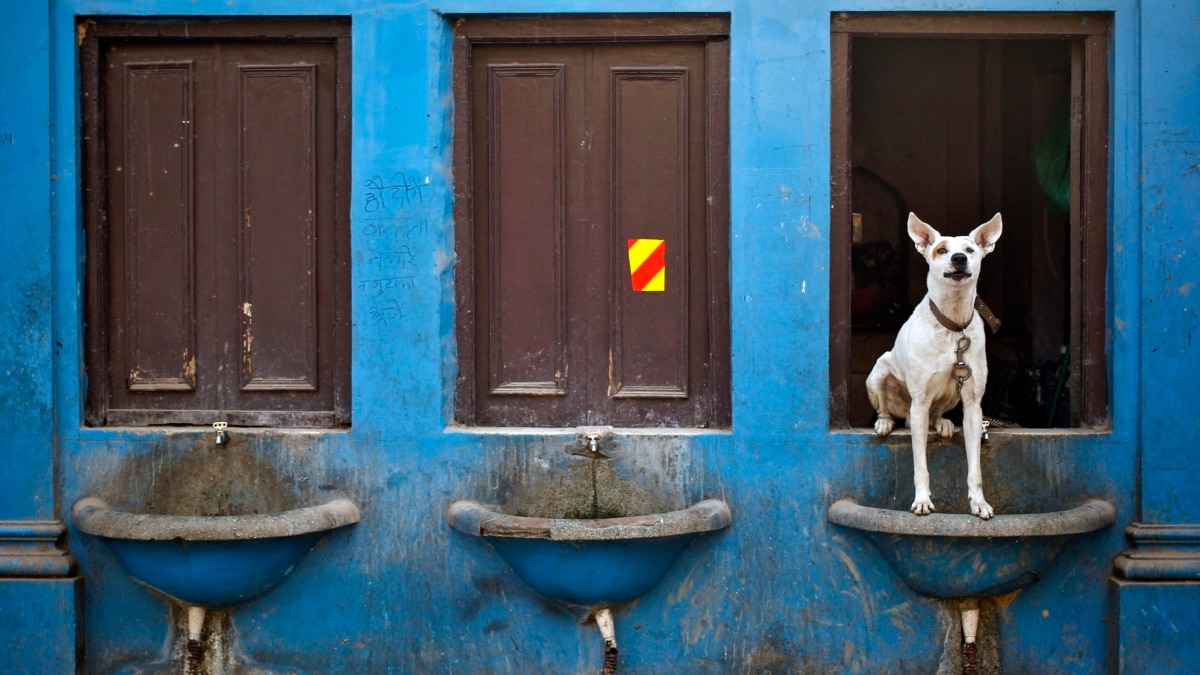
x: 648, y: 264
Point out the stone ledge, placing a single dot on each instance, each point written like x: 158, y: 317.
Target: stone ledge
x: 1161, y: 553
x: 29, y: 548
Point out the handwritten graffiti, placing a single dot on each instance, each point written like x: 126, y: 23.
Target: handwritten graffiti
x: 379, y: 287
x: 386, y: 312
x: 393, y: 220
x: 403, y: 257
x: 398, y: 191
x: 406, y: 227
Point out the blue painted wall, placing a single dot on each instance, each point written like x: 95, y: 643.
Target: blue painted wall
x: 781, y: 590
x: 26, y: 293
x: 37, y: 605
x: 1170, y: 307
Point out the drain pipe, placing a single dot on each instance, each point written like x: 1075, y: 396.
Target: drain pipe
x: 970, y: 627
x: 608, y: 629
x: 195, y: 648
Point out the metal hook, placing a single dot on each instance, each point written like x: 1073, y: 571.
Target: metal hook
x: 962, y: 371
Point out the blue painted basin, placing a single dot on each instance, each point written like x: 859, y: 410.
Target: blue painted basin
x: 591, y: 573
x: 593, y: 562
x: 211, y: 561
x: 962, y: 556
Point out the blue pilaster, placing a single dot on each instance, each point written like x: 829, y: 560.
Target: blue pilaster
x: 1155, y: 595
x: 37, y: 591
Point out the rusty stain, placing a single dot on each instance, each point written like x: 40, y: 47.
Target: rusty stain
x: 1002, y: 601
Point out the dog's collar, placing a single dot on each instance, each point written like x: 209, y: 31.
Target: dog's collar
x: 945, y: 320
x: 989, y: 317
x: 980, y: 306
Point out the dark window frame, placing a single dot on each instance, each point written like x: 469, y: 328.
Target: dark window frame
x: 1089, y: 35
x: 94, y: 34
x: 473, y: 31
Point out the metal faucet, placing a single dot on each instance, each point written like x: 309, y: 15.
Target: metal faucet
x: 222, y: 434
x: 592, y: 442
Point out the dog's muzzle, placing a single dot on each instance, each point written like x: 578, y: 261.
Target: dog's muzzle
x: 958, y: 268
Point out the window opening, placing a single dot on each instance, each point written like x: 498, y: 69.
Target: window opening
x: 957, y: 117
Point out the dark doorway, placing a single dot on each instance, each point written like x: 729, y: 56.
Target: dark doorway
x: 575, y: 137
x: 956, y: 118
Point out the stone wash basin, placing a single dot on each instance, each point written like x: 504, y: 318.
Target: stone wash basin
x: 211, y: 561
x: 585, y: 523
x: 1041, y: 508
x: 581, y: 520
x: 593, y: 562
x: 205, y: 525
x: 961, y: 556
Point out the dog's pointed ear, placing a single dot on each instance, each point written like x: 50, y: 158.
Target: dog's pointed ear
x: 922, y: 233
x: 986, y: 235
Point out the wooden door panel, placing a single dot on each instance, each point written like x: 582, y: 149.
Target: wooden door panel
x: 649, y: 185
x: 152, y: 221
x: 277, y: 181
x: 526, y: 235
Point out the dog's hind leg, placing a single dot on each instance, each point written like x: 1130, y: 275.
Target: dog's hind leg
x: 877, y: 393
x: 943, y: 427
x: 943, y: 403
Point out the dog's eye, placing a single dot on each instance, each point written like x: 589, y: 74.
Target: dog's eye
x: 970, y: 250
x: 942, y: 251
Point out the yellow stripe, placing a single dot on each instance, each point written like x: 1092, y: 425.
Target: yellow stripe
x: 659, y: 282
x: 642, y: 250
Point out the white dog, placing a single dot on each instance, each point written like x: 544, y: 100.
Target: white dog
x: 939, y: 357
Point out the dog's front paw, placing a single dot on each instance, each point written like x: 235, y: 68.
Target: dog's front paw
x: 981, y: 508
x: 884, y: 425
x: 922, y: 506
x: 943, y: 427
